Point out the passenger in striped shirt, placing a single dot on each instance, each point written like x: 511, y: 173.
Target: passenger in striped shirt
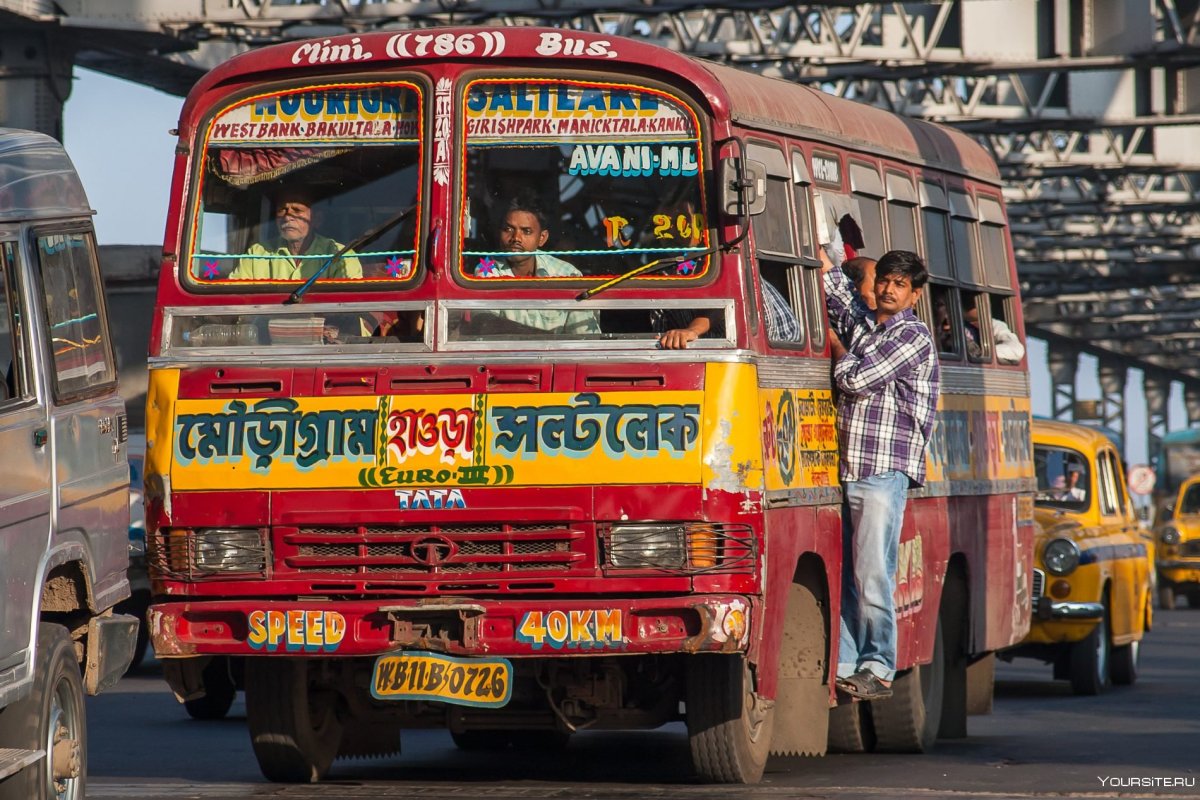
x: 886, y: 371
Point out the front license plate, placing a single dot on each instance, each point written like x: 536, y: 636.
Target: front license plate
x: 481, y: 682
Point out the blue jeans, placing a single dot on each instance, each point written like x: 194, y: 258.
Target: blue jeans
x: 872, y: 516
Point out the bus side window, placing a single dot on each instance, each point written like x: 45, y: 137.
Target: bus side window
x: 781, y: 319
x: 12, y: 346
x: 977, y: 326
x: 947, y: 322
x: 935, y: 221
x: 968, y: 265
x: 868, y: 197
x: 901, y: 213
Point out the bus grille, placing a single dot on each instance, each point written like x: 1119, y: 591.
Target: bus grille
x: 416, y: 551
x: 1039, y: 583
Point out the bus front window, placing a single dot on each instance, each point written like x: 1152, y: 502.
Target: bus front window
x: 572, y: 181
x: 291, y: 178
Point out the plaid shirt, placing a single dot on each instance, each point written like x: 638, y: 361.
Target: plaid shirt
x: 889, y: 387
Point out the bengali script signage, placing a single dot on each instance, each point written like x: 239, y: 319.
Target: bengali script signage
x: 438, y: 440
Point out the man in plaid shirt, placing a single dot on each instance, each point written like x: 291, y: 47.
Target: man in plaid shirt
x: 886, y: 371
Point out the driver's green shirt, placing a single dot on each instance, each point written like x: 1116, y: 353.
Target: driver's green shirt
x: 279, y: 264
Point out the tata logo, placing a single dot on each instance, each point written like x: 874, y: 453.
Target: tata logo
x: 432, y: 550
x: 432, y: 499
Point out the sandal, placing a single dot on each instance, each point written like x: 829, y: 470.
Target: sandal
x: 865, y: 686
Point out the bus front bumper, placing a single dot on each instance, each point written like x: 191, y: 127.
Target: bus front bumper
x: 454, y: 626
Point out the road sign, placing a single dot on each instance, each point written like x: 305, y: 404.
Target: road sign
x: 1141, y: 479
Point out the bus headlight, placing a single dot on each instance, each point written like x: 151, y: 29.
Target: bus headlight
x: 229, y: 550
x: 1061, y: 556
x: 1170, y: 535
x: 647, y: 546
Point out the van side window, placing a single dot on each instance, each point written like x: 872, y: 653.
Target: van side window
x: 15, y: 383
x: 83, y: 356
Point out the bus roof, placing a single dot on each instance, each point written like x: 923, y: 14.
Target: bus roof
x: 37, y: 178
x: 749, y: 99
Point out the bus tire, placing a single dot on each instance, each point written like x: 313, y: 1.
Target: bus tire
x: 1090, y: 659
x: 908, y: 721
x: 851, y: 729
x: 953, y: 617
x: 1193, y: 598
x: 729, y: 726
x: 219, y: 692
x: 294, y: 725
x: 50, y: 718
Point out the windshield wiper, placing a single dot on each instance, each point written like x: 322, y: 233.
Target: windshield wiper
x: 298, y: 295
x: 652, y: 266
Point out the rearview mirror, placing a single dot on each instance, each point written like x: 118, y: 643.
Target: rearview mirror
x: 743, y: 187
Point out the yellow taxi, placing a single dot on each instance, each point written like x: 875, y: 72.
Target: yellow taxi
x: 1178, y: 558
x: 1091, y: 579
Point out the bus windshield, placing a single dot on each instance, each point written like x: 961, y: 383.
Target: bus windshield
x: 596, y: 177
x: 290, y: 177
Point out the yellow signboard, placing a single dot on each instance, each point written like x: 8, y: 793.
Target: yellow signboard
x: 438, y: 440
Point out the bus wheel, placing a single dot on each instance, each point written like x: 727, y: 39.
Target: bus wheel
x: 851, y: 729
x: 482, y: 741
x: 51, y: 719
x: 293, y: 720
x: 729, y: 726
x: 1089, y: 659
x: 219, y: 692
x: 907, y: 722
x: 1166, y: 598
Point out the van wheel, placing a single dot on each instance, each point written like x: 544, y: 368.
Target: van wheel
x: 1089, y: 659
x: 293, y: 719
x: 1166, y: 598
x: 52, y: 719
x: 219, y: 692
x: 729, y: 726
x: 851, y: 729
x: 908, y: 721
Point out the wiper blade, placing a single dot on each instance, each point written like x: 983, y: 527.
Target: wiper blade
x: 379, y: 230
x: 652, y: 266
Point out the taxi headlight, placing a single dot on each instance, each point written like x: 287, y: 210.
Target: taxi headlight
x: 1170, y: 535
x: 647, y: 546
x: 229, y: 550
x: 1060, y: 557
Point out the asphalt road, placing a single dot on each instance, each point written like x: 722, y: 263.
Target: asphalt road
x: 1041, y: 741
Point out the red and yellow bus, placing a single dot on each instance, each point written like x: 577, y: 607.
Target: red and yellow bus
x: 396, y: 483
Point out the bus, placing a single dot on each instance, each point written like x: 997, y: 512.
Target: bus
x: 64, y: 505
x: 415, y: 455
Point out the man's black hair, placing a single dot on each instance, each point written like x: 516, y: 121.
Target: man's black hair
x: 903, y: 262
x: 856, y: 268
x: 529, y: 203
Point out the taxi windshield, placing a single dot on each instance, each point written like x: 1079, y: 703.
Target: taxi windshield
x: 291, y: 178
x: 1062, y: 478
x: 568, y: 180
x: 1190, y: 502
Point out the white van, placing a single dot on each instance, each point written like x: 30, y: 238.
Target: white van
x: 64, y: 507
